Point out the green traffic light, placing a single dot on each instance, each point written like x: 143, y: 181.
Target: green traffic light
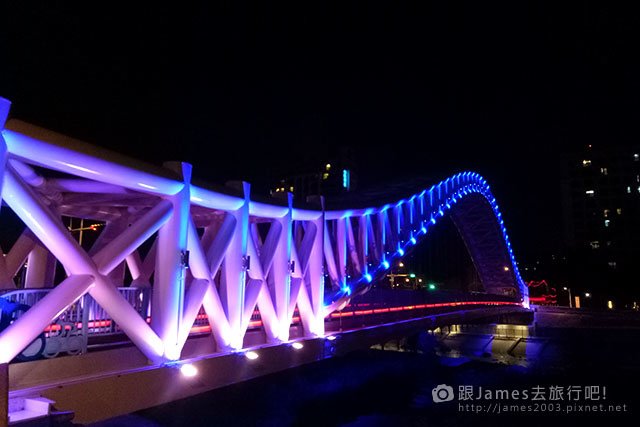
x: 412, y: 275
x: 432, y: 286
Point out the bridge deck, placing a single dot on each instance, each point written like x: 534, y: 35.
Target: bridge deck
x: 107, y: 383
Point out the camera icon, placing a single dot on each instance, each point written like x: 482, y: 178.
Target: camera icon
x: 442, y: 393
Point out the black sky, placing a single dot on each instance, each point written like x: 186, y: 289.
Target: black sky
x: 430, y: 88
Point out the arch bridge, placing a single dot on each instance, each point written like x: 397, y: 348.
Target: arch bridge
x: 201, y: 257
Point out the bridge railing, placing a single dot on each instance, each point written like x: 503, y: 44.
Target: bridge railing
x: 379, y: 301
x: 88, y: 316
x: 92, y: 321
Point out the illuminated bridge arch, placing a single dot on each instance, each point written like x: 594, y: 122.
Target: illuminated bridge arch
x: 210, y: 248
x: 374, y: 237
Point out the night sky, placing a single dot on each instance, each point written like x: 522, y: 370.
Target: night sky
x: 243, y: 91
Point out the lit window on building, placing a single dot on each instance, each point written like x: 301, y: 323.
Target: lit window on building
x: 604, y: 171
x: 619, y: 211
x: 613, y: 264
x: 595, y: 244
x: 586, y: 163
x: 606, y: 213
x: 346, y: 179
x: 607, y: 222
x: 590, y: 193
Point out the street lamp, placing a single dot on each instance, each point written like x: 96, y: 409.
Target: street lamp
x: 587, y: 295
x: 92, y: 227
x: 569, y: 290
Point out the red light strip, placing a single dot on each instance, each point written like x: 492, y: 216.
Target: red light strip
x: 535, y: 284
x: 257, y: 323
x: 418, y: 307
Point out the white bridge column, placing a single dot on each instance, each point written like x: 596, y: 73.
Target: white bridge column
x: 316, y: 274
x: 168, y: 292
x: 233, y: 274
x: 281, y: 270
x: 41, y: 268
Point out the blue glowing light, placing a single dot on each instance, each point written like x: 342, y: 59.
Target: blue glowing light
x: 449, y: 192
x: 346, y: 178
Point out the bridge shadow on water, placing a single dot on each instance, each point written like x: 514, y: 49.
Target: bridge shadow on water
x: 389, y: 388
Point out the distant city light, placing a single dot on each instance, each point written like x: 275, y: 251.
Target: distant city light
x: 587, y: 294
x: 506, y: 268
x: 368, y: 277
x: 610, y: 305
x: 412, y: 275
x: 432, y: 286
x: 327, y: 166
x: 413, y: 240
x: 385, y: 264
x: 400, y: 264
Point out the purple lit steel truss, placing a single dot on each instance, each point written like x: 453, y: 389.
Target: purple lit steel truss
x: 226, y: 253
